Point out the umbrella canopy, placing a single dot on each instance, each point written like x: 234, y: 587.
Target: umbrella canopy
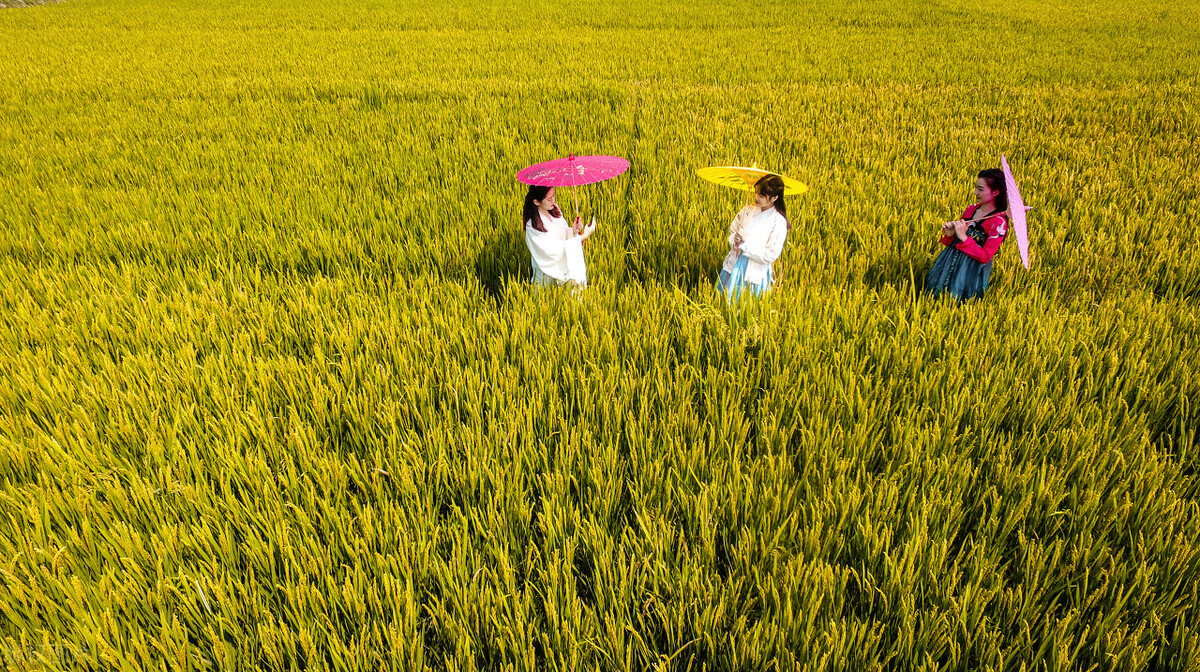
x: 740, y: 177
x: 573, y: 171
x: 1016, y: 210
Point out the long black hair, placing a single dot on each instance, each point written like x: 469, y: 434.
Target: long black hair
x: 995, y: 181
x: 530, y: 214
x: 772, y: 185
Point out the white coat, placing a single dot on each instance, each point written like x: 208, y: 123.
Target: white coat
x: 763, y: 235
x: 557, y: 253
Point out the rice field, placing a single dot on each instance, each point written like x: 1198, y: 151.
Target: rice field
x: 276, y: 393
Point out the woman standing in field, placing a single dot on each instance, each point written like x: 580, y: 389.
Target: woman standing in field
x: 756, y: 238
x: 555, y: 247
x: 964, y: 266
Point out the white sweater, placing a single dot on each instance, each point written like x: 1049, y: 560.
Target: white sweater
x: 557, y: 252
x: 763, y: 235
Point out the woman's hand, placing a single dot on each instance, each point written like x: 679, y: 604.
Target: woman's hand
x: 591, y: 228
x: 948, y: 229
x: 577, y: 226
x: 738, y: 240
x: 960, y: 229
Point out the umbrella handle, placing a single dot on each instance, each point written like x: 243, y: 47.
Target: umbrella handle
x: 574, y: 189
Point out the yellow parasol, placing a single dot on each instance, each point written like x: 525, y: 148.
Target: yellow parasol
x: 739, y: 177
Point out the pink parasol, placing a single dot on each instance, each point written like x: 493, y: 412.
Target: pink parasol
x: 573, y: 171
x: 1016, y: 210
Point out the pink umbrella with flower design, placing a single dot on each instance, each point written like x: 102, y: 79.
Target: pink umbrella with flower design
x: 573, y: 171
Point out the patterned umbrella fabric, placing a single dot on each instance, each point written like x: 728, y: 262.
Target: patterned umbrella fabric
x: 573, y: 171
x: 1016, y: 210
x: 742, y: 178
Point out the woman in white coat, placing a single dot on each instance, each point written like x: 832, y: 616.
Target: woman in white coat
x: 756, y: 238
x: 555, y: 247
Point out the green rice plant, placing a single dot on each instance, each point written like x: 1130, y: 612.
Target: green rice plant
x: 276, y: 393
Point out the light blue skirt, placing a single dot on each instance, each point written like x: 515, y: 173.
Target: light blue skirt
x: 731, y: 283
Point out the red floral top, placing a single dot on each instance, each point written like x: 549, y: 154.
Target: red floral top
x: 983, y: 236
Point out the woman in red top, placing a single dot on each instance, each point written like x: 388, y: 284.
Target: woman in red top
x: 965, y: 264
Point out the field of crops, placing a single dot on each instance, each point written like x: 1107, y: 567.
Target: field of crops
x: 275, y: 392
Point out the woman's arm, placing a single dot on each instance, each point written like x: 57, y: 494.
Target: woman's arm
x: 948, y: 236
x: 586, y: 232
x: 547, y: 252
x: 772, y: 248
x: 997, y: 229
x: 735, y: 226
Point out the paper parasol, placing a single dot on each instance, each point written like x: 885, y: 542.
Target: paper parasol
x: 1016, y: 211
x: 742, y: 178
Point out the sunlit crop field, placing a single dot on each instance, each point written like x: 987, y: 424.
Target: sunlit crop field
x: 275, y: 391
